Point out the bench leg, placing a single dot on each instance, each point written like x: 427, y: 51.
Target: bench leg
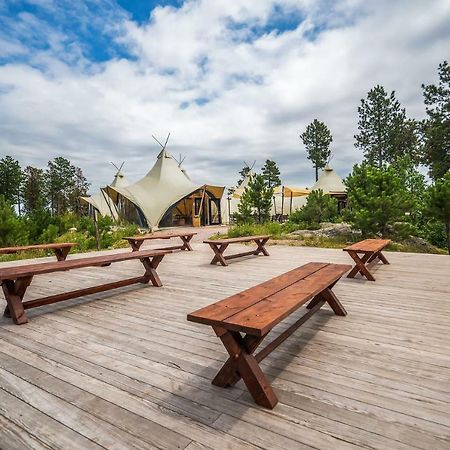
x: 61, y: 253
x: 261, y: 249
x: 150, y: 270
x: 382, y: 258
x: 186, y: 245
x: 243, y: 364
x: 135, y: 245
x: 360, y: 266
x: 328, y: 296
x: 14, y: 292
x: 218, y: 254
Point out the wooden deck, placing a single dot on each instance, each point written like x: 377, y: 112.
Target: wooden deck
x: 89, y: 374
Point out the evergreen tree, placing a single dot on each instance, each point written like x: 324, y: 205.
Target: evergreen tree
x: 64, y: 184
x: 438, y: 204
x: 271, y: 174
x: 319, y: 208
x: 317, y: 139
x: 245, y: 209
x: 436, y: 129
x: 377, y: 198
x: 385, y: 133
x: 33, y: 189
x: 12, y: 229
x: 260, y: 197
x: 11, y: 180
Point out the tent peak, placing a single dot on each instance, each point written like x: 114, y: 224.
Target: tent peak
x: 163, y: 154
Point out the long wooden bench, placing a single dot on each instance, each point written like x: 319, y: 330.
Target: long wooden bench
x: 185, y: 236
x: 16, y: 279
x: 370, y: 249
x: 256, y: 311
x: 61, y: 249
x: 219, y: 246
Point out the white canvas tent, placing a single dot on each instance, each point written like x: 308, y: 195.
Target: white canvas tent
x: 166, y: 196
x: 101, y: 202
x: 330, y: 183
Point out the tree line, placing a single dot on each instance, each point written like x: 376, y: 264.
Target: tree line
x: 57, y: 188
x: 387, y: 194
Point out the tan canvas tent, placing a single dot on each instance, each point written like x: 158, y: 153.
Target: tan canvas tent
x: 330, y: 183
x: 167, y: 197
x: 101, y: 202
x: 230, y: 202
x: 288, y: 199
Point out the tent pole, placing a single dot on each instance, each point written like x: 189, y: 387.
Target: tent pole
x: 97, y: 235
x: 290, y: 207
x: 282, y: 200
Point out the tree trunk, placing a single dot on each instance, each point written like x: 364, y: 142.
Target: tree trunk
x: 317, y: 173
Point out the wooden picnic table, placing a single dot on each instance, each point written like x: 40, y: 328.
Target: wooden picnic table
x: 61, y: 249
x: 16, y: 279
x: 256, y: 311
x: 185, y: 236
x: 371, y: 251
x: 219, y: 246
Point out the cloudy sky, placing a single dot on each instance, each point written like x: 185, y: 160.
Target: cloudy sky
x: 232, y: 80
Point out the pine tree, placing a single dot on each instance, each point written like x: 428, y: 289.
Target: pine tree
x: 377, y: 198
x: 385, y: 133
x: 11, y: 181
x: 33, y: 189
x: 260, y: 196
x: 317, y: 139
x: 436, y: 129
x: 12, y: 228
x: 438, y: 204
x: 245, y: 209
x: 271, y: 174
x: 243, y: 173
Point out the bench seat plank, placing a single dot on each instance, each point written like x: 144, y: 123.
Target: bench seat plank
x: 185, y: 236
x: 219, y: 312
x: 236, y: 240
x: 14, y: 272
x: 264, y: 315
x: 23, y: 248
x: 368, y: 245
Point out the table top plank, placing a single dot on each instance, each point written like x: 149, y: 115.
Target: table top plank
x: 220, y: 311
x: 14, y: 272
x: 168, y: 235
x: 368, y: 245
x: 51, y: 246
x: 236, y: 239
x: 262, y: 316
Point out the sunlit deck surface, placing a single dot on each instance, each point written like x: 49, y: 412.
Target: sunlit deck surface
x: 124, y: 369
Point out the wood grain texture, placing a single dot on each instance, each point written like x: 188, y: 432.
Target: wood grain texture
x: 377, y: 379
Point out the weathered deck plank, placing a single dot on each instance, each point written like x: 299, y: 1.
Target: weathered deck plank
x: 127, y: 366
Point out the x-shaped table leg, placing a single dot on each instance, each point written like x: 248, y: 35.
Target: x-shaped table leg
x: 243, y: 364
x: 186, y: 245
x: 14, y: 292
x: 361, y: 265
x: 150, y: 270
x: 218, y: 252
x: 61, y: 253
x: 135, y: 245
x: 261, y: 249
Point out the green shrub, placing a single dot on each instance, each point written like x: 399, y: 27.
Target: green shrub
x: 13, y: 229
x: 319, y: 208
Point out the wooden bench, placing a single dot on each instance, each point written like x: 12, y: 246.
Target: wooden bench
x: 16, y: 279
x: 371, y: 251
x: 219, y: 246
x: 256, y: 311
x: 61, y: 249
x: 185, y: 236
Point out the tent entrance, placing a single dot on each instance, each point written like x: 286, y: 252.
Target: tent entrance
x: 200, y: 208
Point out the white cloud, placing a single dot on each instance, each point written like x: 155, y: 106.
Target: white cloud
x: 261, y: 88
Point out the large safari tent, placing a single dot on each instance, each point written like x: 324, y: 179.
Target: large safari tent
x: 167, y: 197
